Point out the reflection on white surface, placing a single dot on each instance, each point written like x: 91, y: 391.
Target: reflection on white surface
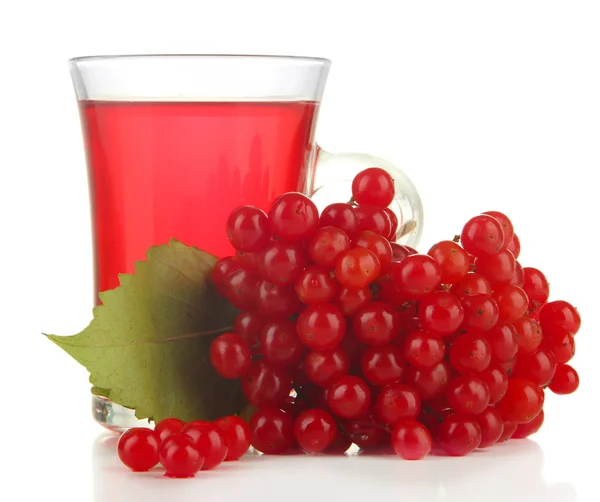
x: 509, y: 473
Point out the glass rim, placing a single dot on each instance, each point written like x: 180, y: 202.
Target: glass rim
x: 274, y: 57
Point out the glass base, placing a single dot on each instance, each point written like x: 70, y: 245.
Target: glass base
x: 115, y: 417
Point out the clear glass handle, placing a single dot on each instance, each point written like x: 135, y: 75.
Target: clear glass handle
x: 333, y: 182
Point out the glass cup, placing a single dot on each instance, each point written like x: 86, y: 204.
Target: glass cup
x: 175, y: 142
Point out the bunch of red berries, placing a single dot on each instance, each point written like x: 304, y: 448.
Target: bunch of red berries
x: 184, y: 448
x: 347, y: 337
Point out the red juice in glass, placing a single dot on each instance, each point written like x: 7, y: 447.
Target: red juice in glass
x: 162, y: 170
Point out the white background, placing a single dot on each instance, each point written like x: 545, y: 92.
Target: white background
x: 486, y: 105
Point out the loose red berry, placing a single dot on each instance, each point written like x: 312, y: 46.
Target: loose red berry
x: 168, y: 426
x: 210, y: 441
x: 180, y: 456
x: 138, y: 448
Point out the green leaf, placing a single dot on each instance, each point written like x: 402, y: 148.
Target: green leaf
x: 147, y: 347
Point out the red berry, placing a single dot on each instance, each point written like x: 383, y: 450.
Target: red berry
x: 522, y: 402
x: 506, y: 224
x: 326, y: 244
x: 441, y: 313
x: 210, y: 441
x: 248, y: 261
x: 356, y: 268
x: 240, y: 288
x: 423, y: 350
x: 512, y: 302
x: 453, y: 261
x: 373, y: 218
x: 168, y: 426
x: 399, y: 252
x: 430, y: 383
x: 537, y: 367
x: 560, y: 314
x: 349, y: 301
x: 518, y: 276
x: 503, y: 342
x: 480, y: 311
x: 411, y: 440
x: 377, y: 323
x: 138, y: 448
x: 276, y: 301
x: 365, y: 432
x: 529, y: 334
x: 529, y: 428
x: 394, y: 221
x: 507, y: 431
x: 321, y: 326
x: 492, y: 426
x: 459, y: 435
x: 382, y: 365
x: 272, y: 431
x: 316, y: 285
x: 281, y: 262
x: 468, y: 394
x: 325, y: 367
x: 536, y: 287
x: 515, y: 246
x: 498, y: 268
x: 470, y: 353
x: 249, y: 326
x: 472, y: 284
x: 223, y: 269
x: 561, y: 343
x: 342, y: 216
x: 397, y: 402
x: 180, y: 456
x: 482, y: 235
x: 230, y: 355
x: 373, y: 186
x: 497, y: 381
x: 377, y: 243
x: 293, y: 217
x: 279, y: 343
x: 565, y: 380
x: 248, y: 229
x: 349, y: 397
x: 237, y: 432
x: 314, y: 430
x: 266, y: 385
x: 417, y: 275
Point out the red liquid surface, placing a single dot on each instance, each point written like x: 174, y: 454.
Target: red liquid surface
x: 162, y: 170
